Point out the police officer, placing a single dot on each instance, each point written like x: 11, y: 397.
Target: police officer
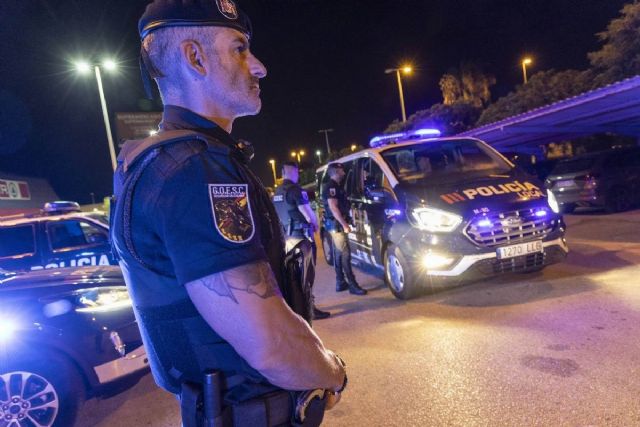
x: 198, y: 239
x: 336, y: 214
x: 295, y: 213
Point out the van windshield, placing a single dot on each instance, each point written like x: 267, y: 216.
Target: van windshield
x: 444, y: 160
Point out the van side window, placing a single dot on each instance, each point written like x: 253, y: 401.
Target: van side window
x: 71, y: 234
x: 16, y: 241
x: 349, y: 180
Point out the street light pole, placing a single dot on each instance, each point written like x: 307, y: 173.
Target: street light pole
x: 105, y: 115
x: 406, y: 69
x: 273, y: 169
x: 525, y: 62
x: 319, y: 154
x: 326, y: 137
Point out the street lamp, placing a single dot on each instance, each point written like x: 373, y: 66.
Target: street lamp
x: 84, y: 67
x: 298, y: 155
x: 319, y: 154
x: 406, y: 70
x: 326, y: 137
x: 525, y: 62
x: 353, y: 147
x: 273, y: 169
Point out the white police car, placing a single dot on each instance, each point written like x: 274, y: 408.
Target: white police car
x: 433, y: 211
x: 59, y: 236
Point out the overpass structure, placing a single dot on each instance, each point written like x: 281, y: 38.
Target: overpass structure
x: 611, y: 109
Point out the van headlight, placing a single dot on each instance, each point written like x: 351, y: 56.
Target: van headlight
x: 436, y: 220
x: 553, y: 203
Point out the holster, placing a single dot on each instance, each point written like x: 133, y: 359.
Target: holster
x: 299, y: 274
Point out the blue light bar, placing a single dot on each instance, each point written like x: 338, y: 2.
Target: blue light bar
x: 379, y: 141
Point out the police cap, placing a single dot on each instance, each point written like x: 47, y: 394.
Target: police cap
x: 193, y: 13
x: 333, y: 166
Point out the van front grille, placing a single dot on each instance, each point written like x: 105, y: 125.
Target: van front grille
x: 497, y: 229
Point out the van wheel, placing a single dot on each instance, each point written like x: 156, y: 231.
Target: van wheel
x: 618, y: 200
x: 399, y: 276
x: 327, y: 248
x: 40, y: 392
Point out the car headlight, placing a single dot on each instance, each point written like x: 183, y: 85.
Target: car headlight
x: 100, y: 300
x: 553, y: 203
x: 436, y: 220
x: 8, y: 327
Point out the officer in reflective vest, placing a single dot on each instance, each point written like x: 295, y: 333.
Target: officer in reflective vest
x: 295, y: 213
x: 197, y: 237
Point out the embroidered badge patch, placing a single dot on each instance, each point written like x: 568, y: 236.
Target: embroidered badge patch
x: 232, y: 211
x: 227, y: 8
x: 332, y: 192
x: 305, y: 196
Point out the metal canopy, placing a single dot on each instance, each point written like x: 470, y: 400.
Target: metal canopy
x: 614, y: 108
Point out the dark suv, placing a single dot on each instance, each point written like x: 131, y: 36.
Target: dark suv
x: 606, y: 179
x: 59, y: 236
x: 65, y: 335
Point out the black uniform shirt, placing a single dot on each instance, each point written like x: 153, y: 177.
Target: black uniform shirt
x: 295, y: 196
x: 333, y: 190
x: 202, y: 214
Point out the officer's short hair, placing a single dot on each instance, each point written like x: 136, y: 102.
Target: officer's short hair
x: 162, y: 47
x: 291, y: 164
x: 332, y: 167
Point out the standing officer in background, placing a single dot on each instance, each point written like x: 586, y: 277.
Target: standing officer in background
x: 336, y: 215
x: 295, y: 213
x: 198, y: 239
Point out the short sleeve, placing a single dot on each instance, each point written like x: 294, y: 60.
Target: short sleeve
x: 299, y: 196
x: 331, y: 191
x: 205, y: 218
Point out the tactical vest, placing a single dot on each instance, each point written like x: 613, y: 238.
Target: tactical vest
x: 285, y: 209
x: 179, y: 343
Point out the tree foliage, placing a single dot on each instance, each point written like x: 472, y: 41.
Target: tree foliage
x: 449, y: 119
x: 543, y: 88
x: 619, y: 56
x: 469, y: 85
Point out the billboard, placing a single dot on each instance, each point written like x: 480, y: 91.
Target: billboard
x: 136, y: 125
x: 14, y: 190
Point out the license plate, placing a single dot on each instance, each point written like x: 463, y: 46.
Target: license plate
x: 519, y: 249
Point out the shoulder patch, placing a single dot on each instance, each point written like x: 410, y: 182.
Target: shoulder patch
x: 332, y: 192
x: 231, y: 210
x: 305, y: 196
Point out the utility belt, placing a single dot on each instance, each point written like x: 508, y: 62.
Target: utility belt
x: 203, y: 406
x: 332, y: 224
x: 301, y: 228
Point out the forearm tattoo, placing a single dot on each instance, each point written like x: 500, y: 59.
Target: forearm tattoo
x: 256, y: 279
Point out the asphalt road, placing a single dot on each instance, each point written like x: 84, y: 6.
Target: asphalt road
x: 556, y: 348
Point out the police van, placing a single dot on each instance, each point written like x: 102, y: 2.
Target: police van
x: 431, y: 212
x: 59, y: 236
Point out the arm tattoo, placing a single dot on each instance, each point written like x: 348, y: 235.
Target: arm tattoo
x: 256, y: 279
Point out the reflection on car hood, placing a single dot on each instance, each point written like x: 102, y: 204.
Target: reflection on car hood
x: 62, y: 276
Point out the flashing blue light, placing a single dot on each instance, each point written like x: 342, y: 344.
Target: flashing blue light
x: 541, y: 213
x: 426, y: 132
x: 485, y: 223
x: 393, y: 213
x: 378, y: 141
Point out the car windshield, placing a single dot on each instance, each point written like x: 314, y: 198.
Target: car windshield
x: 570, y: 166
x: 444, y: 161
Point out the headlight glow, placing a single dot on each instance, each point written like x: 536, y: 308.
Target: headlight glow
x: 436, y: 220
x: 7, y: 328
x: 434, y: 261
x: 100, y: 300
x: 553, y: 203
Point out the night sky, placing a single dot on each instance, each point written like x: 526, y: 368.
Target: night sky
x: 325, y: 61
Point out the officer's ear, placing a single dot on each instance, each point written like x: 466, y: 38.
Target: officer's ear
x: 194, y: 56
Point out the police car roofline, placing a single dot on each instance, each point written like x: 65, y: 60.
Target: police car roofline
x: 48, y: 217
x: 370, y: 150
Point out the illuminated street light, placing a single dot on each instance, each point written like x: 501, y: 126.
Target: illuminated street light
x: 273, y: 169
x: 353, y: 147
x: 407, y: 69
x: 84, y: 67
x: 298, y: 155
x: 525, y: 62
x: 319, y: 154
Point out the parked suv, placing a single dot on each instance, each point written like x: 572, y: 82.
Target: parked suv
x: 606, y: 179
x: 430, y: 212
x: 59, y: 236
x: 65, y: 335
